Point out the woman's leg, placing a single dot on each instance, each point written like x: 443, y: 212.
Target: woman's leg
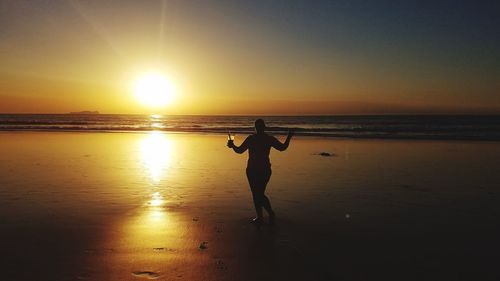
x: 265, y: 201
x: 267, y: 205
x: 257, y: 201
x: 258, y: 182
x: 253, y: 181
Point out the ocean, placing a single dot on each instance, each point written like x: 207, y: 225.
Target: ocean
x: 449, y: 127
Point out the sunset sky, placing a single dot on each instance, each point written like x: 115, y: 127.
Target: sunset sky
x: 252, y: 57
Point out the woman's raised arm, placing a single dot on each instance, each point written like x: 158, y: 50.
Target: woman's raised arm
x: 238, y: 149
x: 282, y: 146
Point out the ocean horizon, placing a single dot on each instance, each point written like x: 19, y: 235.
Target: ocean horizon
x: 446, y: 127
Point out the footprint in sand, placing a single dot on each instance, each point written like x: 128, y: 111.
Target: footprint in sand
x: 325, y: 154
x: 221, y: 265
x: 146, y: 274
x: 161, y: 249
x: 204, y: 245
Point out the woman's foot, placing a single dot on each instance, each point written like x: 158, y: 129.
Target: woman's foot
x: 257, y: 220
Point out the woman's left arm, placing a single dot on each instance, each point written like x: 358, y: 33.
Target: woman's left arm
x: 283, y: 146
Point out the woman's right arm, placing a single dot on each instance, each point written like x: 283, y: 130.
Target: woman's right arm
x: 239, y: 149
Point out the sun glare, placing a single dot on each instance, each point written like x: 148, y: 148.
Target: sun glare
x: 154, y: 90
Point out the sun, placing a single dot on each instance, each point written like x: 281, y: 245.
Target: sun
x: 154, y: 90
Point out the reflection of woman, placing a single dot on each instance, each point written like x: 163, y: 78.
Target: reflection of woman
x: 258, y: 167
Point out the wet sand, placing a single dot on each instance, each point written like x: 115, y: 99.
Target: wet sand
x: 139, y: 206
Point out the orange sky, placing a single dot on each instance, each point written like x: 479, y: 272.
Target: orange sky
x: 236, y: 58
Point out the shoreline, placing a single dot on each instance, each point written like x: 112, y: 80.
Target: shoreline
x: 297, y: 134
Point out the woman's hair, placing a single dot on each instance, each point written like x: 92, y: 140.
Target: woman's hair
x: 260, y: 126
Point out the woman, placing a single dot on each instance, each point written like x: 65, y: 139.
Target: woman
x: 259, y: 167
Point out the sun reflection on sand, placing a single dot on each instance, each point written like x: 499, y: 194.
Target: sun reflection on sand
x: 156, y: 200
x: 151, y: 224
x: 156, y: 151
x: 155, y: 216
x: 156, y: 211
x: 156, y: 154
x: 151, y: 227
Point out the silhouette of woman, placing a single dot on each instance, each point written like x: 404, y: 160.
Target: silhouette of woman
x: 259, y: 167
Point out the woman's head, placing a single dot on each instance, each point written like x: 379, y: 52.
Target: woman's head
x: 260, y: 126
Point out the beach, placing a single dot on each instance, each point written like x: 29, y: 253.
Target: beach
x: 176, y: 206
